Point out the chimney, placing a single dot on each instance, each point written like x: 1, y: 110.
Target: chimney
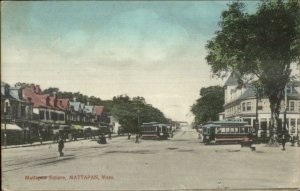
x: 48, y: 100
x: 55, y: 102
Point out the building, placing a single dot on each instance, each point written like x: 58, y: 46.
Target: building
x: 16, y: 113
x: 240, y: 102
x: 48, y: 113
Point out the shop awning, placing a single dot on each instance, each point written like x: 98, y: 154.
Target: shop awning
x: 91, y: 127
x: 11, y: 127
x: 77, y: 127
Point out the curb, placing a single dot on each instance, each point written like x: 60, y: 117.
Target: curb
x: 45, y: 143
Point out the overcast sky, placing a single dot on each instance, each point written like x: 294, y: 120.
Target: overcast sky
x: 150, y: 49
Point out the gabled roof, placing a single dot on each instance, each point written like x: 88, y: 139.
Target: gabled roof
x: 232, y: 80
x: 99, y: 110
x: 63, y: 103
x: 77, y: 105
x: 38, y: 100
x: 89, y: 109
x: 14, y: 93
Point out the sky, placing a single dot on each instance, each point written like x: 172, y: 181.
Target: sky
x: 152, y: 49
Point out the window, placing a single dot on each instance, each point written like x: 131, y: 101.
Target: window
x: 244, y: 106
x: 292, y: 106
x: 23, y: 111
x: 260, y: 107
x: 61, y: 117
x: 299, y: 106
x: 47, y: 115
x: 54, y: 116
x: 246, y: 129
x: 223, y: 130
x: 42, y: 114
x: 227, y: 130
x: 248, y: 120
x: 263, y: 124
x: 236, y: 130
x: 248, y: 106
x: 242, y: 130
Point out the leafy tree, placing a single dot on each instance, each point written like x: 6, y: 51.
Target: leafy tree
x: 132, y: 113
x: 209, y: 105
x: 261, y: 45
x: 51, y: 91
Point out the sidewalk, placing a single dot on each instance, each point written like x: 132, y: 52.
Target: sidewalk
x: 47, y: 143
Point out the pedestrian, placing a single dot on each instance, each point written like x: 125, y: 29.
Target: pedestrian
x: 136, y: 139
x: 283, y: 141
x: 41, y: 138
x: 61, y: 146
x: 109, y: 136
x: 129, y: 135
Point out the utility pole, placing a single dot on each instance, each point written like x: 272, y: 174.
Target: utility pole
x: 285, y: 109
x: 138, y: 117
x: 6, y: 105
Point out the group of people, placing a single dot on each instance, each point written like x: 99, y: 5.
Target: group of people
x: 136, y: 138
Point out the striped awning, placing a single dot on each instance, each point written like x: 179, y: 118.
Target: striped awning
x: 11, y: 127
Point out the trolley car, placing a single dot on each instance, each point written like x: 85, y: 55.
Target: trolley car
x: 154, y: 130
x: 227, y: 132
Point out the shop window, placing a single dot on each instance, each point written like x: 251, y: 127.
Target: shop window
x: 61, y: 117
x: 42, y: 114
x: 47, y: 115
x: 54, y: 116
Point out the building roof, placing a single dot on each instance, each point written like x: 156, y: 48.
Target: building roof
x: 77, y: 106
x: 38, y: 100
x: 99, y: 110
x: 250, y: 93
x: 89, y: 109
x: 232, y: 80
x: 63, y: 103
x: 14, y: 93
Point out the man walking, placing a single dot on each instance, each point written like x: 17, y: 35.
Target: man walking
x: 283, y: 141
x: 60, y: 147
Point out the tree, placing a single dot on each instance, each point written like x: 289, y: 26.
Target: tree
x: 262, y: 45
x: 51, y: 91
x: 209, y: 105
x: 133, y: 112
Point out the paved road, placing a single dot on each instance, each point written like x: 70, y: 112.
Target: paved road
x: 179, y: 163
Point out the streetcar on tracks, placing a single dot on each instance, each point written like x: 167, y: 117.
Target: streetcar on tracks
x: 154, y: 130
x: 226, y: 131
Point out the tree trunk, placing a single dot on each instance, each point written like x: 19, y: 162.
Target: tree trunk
x: 275, y: 106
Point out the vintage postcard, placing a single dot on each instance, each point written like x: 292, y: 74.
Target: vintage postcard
x: 150, y: 95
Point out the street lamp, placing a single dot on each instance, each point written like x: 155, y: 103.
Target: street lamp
x: 6, y: 105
